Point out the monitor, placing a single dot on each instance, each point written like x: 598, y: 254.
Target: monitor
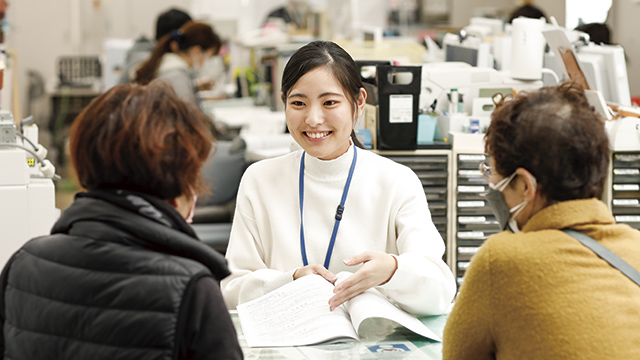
x: 603, y: 66
x: 605, y: 69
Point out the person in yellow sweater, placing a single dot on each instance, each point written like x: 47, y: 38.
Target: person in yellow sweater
x: 532, y: 291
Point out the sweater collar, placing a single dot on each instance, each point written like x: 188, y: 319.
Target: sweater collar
x: 335, y: 169
x: 570, y: 214
x: 171, y: 61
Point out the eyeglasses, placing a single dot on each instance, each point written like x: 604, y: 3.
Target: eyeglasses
x: 485, y: 169
x: 499, y: 99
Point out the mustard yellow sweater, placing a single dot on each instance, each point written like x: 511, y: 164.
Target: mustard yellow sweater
x: 540, y: 294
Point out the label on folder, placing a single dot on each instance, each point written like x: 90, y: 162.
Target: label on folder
x: 626, y: 171
x: 400, y: 108
x: 626, y: 202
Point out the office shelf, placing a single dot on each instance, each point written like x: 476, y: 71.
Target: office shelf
x: 432, y: 168
x: 624, y: 188
x: 475, y: 221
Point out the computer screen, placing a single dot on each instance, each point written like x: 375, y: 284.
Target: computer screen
x: 461, y: 54
x: 605, y: 68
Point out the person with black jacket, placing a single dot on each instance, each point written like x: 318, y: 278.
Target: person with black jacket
x: 122, y: 274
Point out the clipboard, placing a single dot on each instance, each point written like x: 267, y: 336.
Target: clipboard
x: 572, y: 67
x: 561, y: 46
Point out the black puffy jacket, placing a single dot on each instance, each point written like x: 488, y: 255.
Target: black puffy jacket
x: 122, y: 276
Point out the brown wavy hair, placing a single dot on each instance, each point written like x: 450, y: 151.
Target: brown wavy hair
x: 190, y: 34
x: 556, y: 135
x: 141, y: 138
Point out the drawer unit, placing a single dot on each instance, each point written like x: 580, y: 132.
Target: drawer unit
x: 625, y: 188
x: 475, y: 221
x: 433, y: 172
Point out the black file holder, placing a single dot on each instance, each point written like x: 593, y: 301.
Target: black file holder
x: 398, y: 107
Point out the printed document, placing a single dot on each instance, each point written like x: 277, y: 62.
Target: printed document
x: 298, y: 314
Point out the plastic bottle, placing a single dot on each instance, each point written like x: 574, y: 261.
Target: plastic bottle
x: 454, y: 101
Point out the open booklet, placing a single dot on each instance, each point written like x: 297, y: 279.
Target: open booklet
x: 298, y: 314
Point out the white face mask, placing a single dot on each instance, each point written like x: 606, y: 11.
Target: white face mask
x: 196, y: 64
x: 189, y: 218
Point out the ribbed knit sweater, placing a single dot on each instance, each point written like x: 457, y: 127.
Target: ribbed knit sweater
x: 386, y: 210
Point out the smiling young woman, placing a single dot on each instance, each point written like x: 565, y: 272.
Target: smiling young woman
x: 286, y: 224
x: 320, y: 116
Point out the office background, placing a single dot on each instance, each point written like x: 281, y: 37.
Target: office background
x: 41, y: 31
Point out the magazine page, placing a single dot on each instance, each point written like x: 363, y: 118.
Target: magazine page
x: 372, y: 304
x: 295, y: 314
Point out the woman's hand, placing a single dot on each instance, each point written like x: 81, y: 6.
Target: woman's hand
x: 315, y: 269
x: 204, y: 83
x: 378, y: 268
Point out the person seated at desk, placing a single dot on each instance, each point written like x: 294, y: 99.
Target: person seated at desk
x: 177, y: 58
x: 533, y: 291
x: 286, y: 225
x: 293, y: 13
x: 123, y: 275
x: 166, y: 22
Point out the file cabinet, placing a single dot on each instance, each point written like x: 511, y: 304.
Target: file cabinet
x: 625, y: 188
x: 474, y: 220
x: 432, y: 168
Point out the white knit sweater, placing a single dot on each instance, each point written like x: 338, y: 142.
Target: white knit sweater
x: 386, y: 210
x: 177, y: 73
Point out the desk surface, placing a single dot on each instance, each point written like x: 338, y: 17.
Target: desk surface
x: 377, y: 343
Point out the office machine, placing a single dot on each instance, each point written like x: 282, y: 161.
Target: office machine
x: 27, y: 206
x: 485, y: 27
x: 467, y: 48
x: 603, y: 66
x: 606, y: 70
x: 473, y: 86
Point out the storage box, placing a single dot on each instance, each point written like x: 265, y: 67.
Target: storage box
x: 398, y: 97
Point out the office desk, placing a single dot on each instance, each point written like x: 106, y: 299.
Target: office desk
x: 242, y: 114
x: 378, y: 343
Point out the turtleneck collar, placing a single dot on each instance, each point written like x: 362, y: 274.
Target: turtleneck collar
x: 337, y: 168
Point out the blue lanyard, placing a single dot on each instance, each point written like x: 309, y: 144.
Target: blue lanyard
x: 338, y: 216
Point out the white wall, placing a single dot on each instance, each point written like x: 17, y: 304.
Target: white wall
x: 463, y: 10
x: 553, y: 8
x: 43, y: 30
x: 254, y: 12
x: 624, y: 23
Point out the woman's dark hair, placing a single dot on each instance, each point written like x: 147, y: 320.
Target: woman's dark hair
x: 141, y: 138
x: 170, y: 20
x: 598, y: 33
x: 556, y: 135
x: 528, y: 11
x: 189, y: 35
x: 335, y: 59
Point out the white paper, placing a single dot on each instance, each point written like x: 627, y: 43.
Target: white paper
x: 372, y: 304
x: 298, y: 314
x: 400, y: 109
x: 294, y: 314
